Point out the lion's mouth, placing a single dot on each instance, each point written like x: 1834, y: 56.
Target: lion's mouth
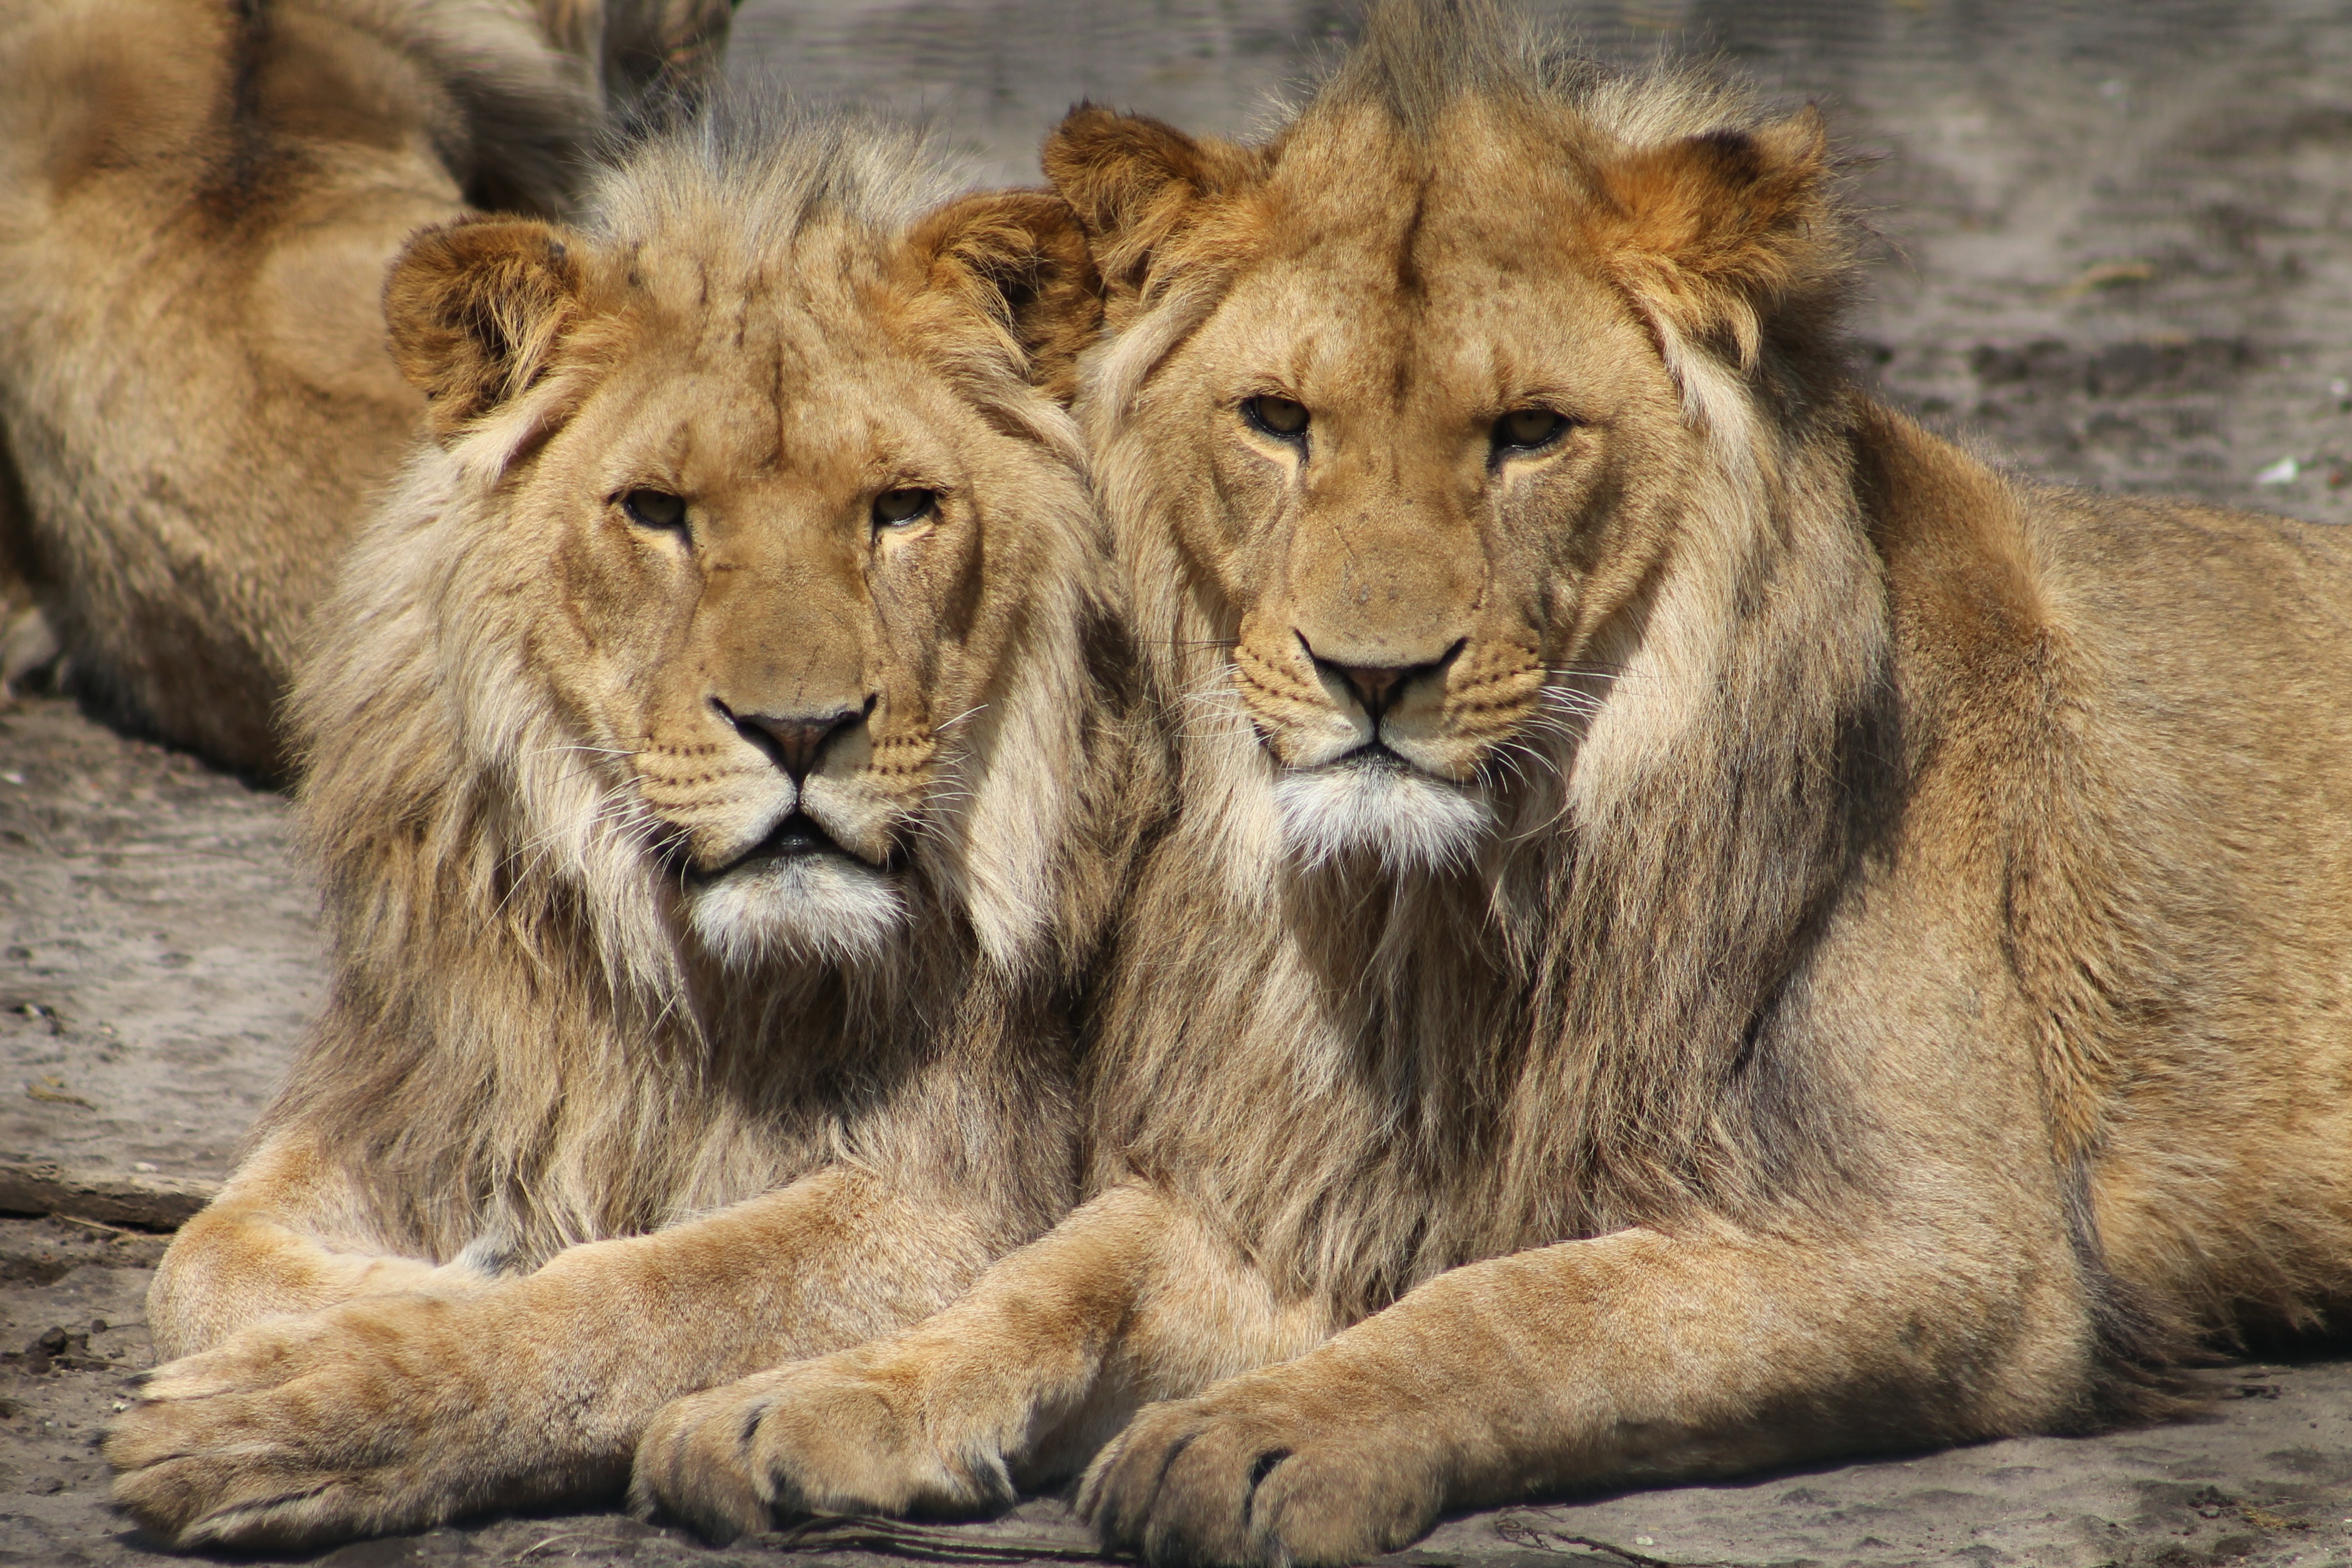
x: 1373, y: 755
x: 798, y: 837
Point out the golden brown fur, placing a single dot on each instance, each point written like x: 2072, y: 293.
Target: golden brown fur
x: 198, y: 201
x: 706, y: 883
x: 1844, y: 948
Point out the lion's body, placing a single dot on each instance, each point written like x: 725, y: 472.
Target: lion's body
x: 668, y: 1041
x: 199, y: 200
x: 1703, y: 927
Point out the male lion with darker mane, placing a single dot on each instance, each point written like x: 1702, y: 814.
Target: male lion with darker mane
x: 718, y: 750
x: 198, y: 202
x: 1704, y: 927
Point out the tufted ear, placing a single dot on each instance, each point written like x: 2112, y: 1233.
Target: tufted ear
x: 1021, y: 258
x: 474, y: 308
x: 1136, y: 184
x: 1716, y: 233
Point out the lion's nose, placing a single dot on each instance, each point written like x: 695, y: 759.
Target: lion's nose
x: 1378, y: 687
x: 794, y: 741
x: 1372, y: 684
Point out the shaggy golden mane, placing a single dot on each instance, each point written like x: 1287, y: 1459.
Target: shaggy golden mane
x: 722, y: 756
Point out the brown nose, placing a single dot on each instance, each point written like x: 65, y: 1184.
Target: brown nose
x: 794, y: 741
x: 1372, y: 684
x: 1378, y: 686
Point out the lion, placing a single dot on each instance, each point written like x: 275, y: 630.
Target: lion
x: 199, y: 200
x: 1702, y: 928
x: 719, y: 749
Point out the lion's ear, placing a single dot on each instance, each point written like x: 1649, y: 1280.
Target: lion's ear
x: 1022, y: 258
x: 1714, y: 233
x: 1135, y: 183
x: 474, y: 308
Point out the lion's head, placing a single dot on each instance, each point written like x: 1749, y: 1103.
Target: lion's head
x: 1434, y: 393
x: 739, y: 601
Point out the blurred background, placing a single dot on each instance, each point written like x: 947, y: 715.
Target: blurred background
x: 2111, y: 237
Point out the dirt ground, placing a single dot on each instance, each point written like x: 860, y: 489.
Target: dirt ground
x: 2114, y: 246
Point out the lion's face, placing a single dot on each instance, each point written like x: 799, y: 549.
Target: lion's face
x: 1441, y: 450
x: 778, y: 598
x: 769, y: 553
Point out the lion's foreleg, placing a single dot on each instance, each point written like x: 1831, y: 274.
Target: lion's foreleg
x: 394, y: 1412
x: 1633, y: 1355
x: 1127, y: 1299
x: 290, y: 1234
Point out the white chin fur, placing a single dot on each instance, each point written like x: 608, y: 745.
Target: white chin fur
x: 1412, y: 822
x: 820, y: 908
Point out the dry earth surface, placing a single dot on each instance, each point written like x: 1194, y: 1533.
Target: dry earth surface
x: 2112, y: 248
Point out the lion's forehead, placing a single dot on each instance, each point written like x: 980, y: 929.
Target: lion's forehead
x: 1470, y: 309
x: 782, y: 395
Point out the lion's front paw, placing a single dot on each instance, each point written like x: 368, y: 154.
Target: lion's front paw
x: 1246, y: 1474
x: 828, y: 1436
x: 299, y: 1431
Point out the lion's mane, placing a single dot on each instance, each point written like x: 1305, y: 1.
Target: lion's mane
x: 522, y: 1046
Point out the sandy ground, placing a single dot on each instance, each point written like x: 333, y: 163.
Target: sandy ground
x: 2111, y: 247
x: 2264, y: 1478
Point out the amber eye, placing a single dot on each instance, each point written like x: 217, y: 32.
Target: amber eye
x: 896, y: 509
x: 1277, y: 417
x: 654, y: 508
x: 1523, y: 430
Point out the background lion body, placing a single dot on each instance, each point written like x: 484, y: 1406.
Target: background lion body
x: 545, y: 1111
x: 1899, y: 997
x: 198, y: 202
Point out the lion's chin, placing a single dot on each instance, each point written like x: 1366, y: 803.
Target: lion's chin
x: 822, y: 907
x: 1379, y: 805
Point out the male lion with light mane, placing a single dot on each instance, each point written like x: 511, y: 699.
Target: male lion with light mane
x: 1704, y: 927
x: 198, y: 201
x: 718, y: 749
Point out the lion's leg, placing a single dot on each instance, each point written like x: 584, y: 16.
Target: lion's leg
x: 394, y: 1412
x: 1127, y: 1299
x: 290, y: 1234
x: 1630, y: 1356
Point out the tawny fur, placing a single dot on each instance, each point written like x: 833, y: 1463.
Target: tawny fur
x: 198, y: 202
x: 586, y: 1125
x: 1896, y: 996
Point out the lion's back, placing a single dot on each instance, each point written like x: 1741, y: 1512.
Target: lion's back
x: 2164, y: 780
x: 197, y: 400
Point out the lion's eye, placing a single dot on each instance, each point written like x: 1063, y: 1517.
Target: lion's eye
x: 1277, y: 416
x: 1523, y: 430
x: 654, y: 508
x: 896, y: 509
